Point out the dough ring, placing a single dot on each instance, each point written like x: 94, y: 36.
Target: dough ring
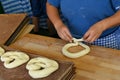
x: 2, y: 51
x: 77, y: 54
x: 14, y: 59
x: 41, y: 67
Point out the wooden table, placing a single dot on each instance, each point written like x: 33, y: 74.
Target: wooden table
x: 100, y: 64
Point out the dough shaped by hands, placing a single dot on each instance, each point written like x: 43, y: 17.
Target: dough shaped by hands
x: 14, y: 59
x: 41, y: 67
x: 2, y: 51
x: 77, y: 54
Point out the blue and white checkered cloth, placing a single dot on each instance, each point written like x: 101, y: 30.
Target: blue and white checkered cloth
x: 110, y: 41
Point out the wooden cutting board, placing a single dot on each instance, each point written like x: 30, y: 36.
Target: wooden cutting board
x: 9, y: 24
x: 100, y: 64
x: 65, y: 71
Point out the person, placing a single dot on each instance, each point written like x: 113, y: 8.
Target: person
x: 40, y: 18
x: 96, y: 21
x: 38, y: 9
x: 16, y: 6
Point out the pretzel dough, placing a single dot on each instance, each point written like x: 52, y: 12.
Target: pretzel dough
x: 2, y: 51
x: 41, y: 67
x: 77, y: 54
x: 14, y: 59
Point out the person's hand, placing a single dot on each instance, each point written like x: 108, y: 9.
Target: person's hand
x: 64, y: 33
x: 93, y: 33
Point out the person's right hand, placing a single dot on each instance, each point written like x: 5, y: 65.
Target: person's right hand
x: 64, y: 33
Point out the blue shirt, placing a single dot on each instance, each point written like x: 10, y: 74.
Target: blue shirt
x: 80, y: 15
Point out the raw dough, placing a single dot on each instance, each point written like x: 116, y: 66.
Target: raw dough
x: 41, y: 67
x: 77, y: 54
x: 14, y: 59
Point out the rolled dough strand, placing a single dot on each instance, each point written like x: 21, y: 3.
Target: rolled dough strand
x: 33, y: 64
x: 77, y: 54
x: 14, y: 59
x: 45, y: 68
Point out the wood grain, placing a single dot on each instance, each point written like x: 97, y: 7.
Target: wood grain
x: 8, y: 24
x: 66, y: 70
x: 100, y: 64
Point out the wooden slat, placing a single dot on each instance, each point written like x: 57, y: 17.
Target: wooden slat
x: 26, y: 29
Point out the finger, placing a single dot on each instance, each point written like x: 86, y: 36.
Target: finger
x: 62, y: 36
x: 65, y: 36
x: 90, y: 38
x: 95, y: 38
x: 85, y: 37
x: 68, y: 35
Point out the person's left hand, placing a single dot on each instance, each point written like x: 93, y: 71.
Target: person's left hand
x: 93, y: 33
